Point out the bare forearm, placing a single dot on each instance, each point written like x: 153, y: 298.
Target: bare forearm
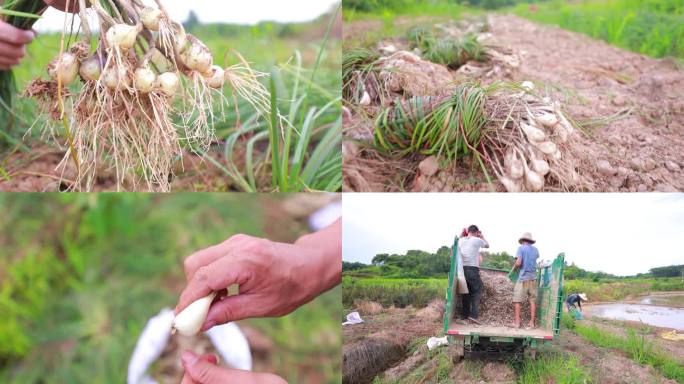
x: 326, y: 270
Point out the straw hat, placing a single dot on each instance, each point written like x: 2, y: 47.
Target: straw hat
x: 526, y: 236
x: 583, y: 296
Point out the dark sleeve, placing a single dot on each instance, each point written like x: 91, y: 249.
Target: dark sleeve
x: 579, y: 302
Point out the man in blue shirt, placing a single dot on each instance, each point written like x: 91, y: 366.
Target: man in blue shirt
x: 526, y: 286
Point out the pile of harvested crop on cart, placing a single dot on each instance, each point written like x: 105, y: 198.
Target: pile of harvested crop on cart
x: 146, y: 89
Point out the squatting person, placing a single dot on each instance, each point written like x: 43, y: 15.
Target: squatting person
x: 575, y: 298
x: 470, y: 252
x: 526, y: 286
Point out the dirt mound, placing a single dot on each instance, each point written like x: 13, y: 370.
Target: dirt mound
x: 434, y: 311
x: 368, y: 307
x: 407, y: 74
x: 362, y: 360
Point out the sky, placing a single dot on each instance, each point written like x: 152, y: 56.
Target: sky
x: 226, y: 11
x: 622, y: 234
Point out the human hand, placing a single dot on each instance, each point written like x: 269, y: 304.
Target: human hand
x: 204, y: 370
x: 62, y: 5
x: 13, y: 44
x: 274, y: 278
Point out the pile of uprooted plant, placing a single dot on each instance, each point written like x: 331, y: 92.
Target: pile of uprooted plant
x: 146, y: 88
x: 496, y: 302
x: 410, y: 105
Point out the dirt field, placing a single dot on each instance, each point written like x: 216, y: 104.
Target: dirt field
x: 411, y: 328
x: 639, y: 149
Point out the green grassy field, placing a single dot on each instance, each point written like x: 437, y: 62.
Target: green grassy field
x: 304, y: 62
x: 651, y: 27
x: 419, y: 292
x: 634, y: 345
x: 392, y: 292
x: 613, y: 290
x: 82, y: 273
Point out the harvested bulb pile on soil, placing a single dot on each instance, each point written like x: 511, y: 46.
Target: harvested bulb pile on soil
x: 145, y: 71
x: 515, y: 133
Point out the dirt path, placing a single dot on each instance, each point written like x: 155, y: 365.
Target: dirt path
x: 641, y: 151
x: 645, y: 150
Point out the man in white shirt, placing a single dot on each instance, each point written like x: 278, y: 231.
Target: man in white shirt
x: 470, y: 253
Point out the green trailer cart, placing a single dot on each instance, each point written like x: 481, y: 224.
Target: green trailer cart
x: 500, y: 342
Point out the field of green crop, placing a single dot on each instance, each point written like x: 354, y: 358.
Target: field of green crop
x: 304, y: 61
x: 392, y: 292
x: 613, y: 290
x: 419, y: 292
x: 82, y: 273
x: 651, y: 27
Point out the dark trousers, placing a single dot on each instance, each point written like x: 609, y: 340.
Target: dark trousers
x: 471, y: 301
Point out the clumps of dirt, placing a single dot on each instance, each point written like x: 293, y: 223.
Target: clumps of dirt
x: 45, y: 92
x: 496, y: 303
x: 497, y: 372
x: 362, y: 360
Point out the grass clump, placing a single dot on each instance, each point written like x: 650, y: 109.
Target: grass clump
x: 637, y: 347
x: 449, y: 127
x: 452, y: 51
x: 553, y: 368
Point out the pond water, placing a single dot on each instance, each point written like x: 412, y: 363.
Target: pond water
x: 666, y: 300
x: 659, y: 316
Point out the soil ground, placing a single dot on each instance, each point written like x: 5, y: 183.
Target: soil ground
x: 419, y: 365
x: 640, y: 151
x: 40, y: 171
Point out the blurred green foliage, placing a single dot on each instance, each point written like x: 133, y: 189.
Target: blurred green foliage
x: 82, y: 273
x: 652, y: 27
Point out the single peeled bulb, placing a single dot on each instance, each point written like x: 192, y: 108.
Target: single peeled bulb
x: 122, y: 35
x: 150, y: 18
x: 189, y: 321
x: 145, y: 79
x: 64, y: 68
x: 168, y: 83
x: 215, y: 77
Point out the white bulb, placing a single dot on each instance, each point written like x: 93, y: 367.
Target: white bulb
x: 189, y: 321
